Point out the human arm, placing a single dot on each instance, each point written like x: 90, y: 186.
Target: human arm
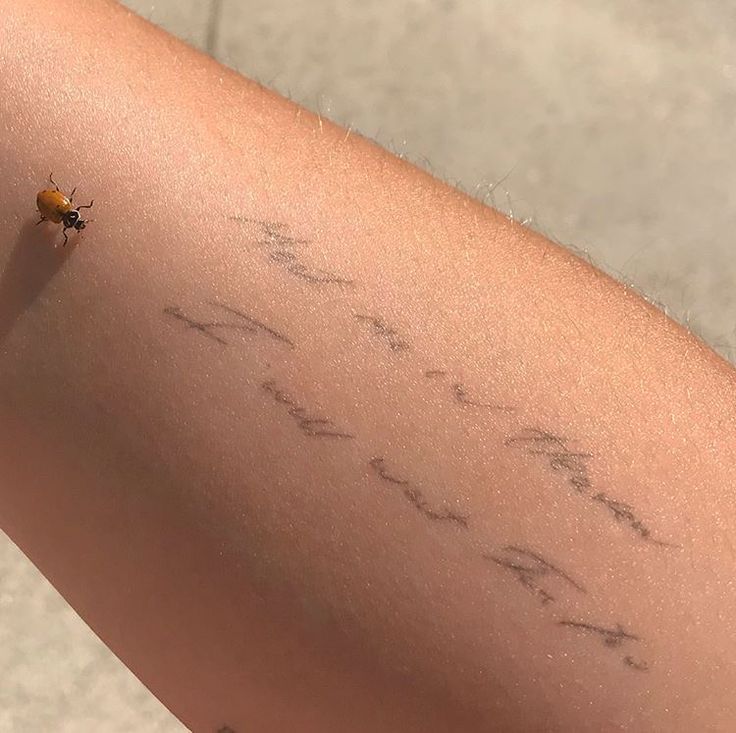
x: 176, y: 488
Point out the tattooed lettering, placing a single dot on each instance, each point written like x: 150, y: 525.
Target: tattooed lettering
x: 381, y: 329
x: 238, y: 321
x: 251, y: 324
x: 283, y: 250
x: 624, y: 513
x: 537, y: 442
x: 379, y: 466
x: 460, y: 393
x: 270, y: 234
x: 461, y: 396
x: 574, y: 464
x: 311, y: 424
x: 530, y: 568
x: 639, y: 666
x: 201, y: 326
x: 612, y: 638
x: 415, y: 496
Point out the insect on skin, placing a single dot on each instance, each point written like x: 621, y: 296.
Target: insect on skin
x: 56, y: 206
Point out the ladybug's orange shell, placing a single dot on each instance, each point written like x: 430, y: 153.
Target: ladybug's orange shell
x: 53, y: 205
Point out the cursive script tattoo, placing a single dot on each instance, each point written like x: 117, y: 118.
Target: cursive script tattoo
x: 311, y: 424
x: 554, y: 448
x: 250, y: 324
x: 639, y: 666
x: 434, y: 373
x: 624, y: 513
x: 285, y: 250
x: 530, y: 569
x: 573, y: 464
x: 379, y: 466
x: 238, y: 321
x: 381, y: 329
x: 204, y: 327
x: 612, y: 638
x: 460, y: 394
x: 416, y: 497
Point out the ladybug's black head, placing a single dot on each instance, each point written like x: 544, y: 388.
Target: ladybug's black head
x: 72, y: 219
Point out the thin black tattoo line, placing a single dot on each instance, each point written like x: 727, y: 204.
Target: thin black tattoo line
x: 275, y: 238
x: 273, y: 229
x: 460, y: 393
x: 544, y: 595
x: 525, y: 577
x: 317, y: 276
x: 611, y: 637
x: 553, y: 568
x: 278, y: 336
x: 529, y: 576
x: 378, y: 465
x: 629, y: 661
x: 416, y: 498
x: 250, y: 220
x: 554, y: 447
x: 624, y: 513
x: 382, y: 329
x: 250, y: 325
x: 202, y: 327
x: 461, y: 396
x: 306, y: 423
x: 535, y: 435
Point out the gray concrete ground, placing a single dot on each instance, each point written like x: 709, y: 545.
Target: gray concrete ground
x: 615, y: 120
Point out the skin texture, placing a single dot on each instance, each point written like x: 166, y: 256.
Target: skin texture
x: 316, y: 443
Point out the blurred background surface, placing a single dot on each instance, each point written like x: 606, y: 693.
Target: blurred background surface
x: 611, y: 125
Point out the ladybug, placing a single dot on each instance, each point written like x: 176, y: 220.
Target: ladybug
x: 55, y: 206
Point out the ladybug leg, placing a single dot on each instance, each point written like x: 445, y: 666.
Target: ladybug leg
x: 41, y: 220
x: 88, y: 206
x: 66, y: 238
x: 71, y: 195
x: 53, y: 181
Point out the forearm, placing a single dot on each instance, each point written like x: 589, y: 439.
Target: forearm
x: 317, y: 443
